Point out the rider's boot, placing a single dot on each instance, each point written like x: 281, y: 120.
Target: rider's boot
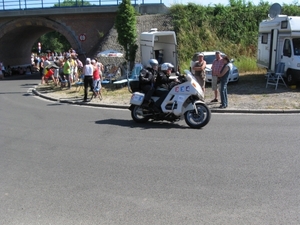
x: 156, y: 108
x: 146, y: 104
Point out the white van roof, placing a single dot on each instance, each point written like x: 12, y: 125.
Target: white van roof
x: 154, y: 35
x: 292, y: 24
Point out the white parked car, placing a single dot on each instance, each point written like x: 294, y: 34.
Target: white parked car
x: 209, y: 57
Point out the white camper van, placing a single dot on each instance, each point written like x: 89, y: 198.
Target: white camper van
x: 160, y: 45
x: 279, y: 41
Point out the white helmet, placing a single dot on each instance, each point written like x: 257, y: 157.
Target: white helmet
x: 166, y: 66
x: 153, y: 62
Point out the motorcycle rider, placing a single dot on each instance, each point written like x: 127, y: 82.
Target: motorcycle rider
x: 163, y: 82
x: 147, y: 78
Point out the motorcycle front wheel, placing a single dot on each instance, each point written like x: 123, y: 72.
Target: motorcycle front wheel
x: 137, y: 115
x: 198, y: 119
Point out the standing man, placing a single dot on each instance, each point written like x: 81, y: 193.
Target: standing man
x: 41, y: 68
x: 88, y: 71
x: 216, y: 70
x: 199, y: 68
x: 223, y: 82
x: 67, y: 69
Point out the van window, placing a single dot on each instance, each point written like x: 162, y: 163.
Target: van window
x: 296, y: 46
x: 287, y: 50
x: 284, y: 24
x: 264, y: 38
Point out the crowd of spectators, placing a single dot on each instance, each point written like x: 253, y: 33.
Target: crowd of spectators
x: 16, y: 70
x: 64, y: 67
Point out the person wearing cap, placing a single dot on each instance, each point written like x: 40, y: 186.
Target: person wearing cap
x: 199, y: 68
x: 88, y: 71
x: 216, y: 67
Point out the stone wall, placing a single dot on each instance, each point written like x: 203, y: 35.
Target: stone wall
x: 144, y: 23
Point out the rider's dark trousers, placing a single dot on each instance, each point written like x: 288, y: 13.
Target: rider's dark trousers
x: 148, y: 90
x: 162, y: 95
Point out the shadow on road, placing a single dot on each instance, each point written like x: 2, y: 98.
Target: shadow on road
x: 148, y: 125
x: 29, y: 85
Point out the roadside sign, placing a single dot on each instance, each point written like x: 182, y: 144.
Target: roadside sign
x: 82, y: 37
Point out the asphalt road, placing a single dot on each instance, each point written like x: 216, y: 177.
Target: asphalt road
x: 67, y: 164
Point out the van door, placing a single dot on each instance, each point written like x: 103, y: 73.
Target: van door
x: 273, y: 49
x: 146, y: 55
x: 286, y: 53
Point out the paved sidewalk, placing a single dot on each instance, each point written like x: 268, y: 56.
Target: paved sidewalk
x: 213, y: 107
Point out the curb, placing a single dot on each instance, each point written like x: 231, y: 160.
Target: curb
x: 256, y: 111
x: 34, y: 91
x: 249, y: 111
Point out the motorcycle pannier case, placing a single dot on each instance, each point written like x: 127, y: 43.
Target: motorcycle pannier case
x: 137, y: 98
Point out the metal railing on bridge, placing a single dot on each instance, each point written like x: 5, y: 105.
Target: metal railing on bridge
x: 42, y: 4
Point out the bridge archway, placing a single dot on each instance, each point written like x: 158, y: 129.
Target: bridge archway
x: 19, y: 36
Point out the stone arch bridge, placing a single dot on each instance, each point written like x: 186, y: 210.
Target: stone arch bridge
x: 83, y: 27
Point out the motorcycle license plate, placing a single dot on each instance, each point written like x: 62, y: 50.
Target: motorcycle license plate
x: 137, y: 98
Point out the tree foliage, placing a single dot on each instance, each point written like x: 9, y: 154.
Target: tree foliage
x: 126, y: 27
x: 77, y: 3
x: 232, y: 28
x: 53, y: 41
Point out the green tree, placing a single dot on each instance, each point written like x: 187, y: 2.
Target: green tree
x: 72, y: 3
x: 126, y: 28
x: 53, y: 41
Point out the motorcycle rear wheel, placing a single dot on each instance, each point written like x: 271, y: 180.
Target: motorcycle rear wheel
x: 138, y: 115
x: 200, y: 119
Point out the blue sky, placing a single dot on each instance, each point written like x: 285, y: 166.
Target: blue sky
x: 224, y: 2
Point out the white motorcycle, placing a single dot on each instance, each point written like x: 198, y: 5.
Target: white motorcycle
x: 186, y: 98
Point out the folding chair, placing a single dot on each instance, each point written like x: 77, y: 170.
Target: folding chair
x: 79, y: 84
x: 273, y: 78
x: 97, y: 90
x: 97, y: 93
x: 63, y: 82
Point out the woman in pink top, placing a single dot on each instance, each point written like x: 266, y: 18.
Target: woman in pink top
x: 96, y: 79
